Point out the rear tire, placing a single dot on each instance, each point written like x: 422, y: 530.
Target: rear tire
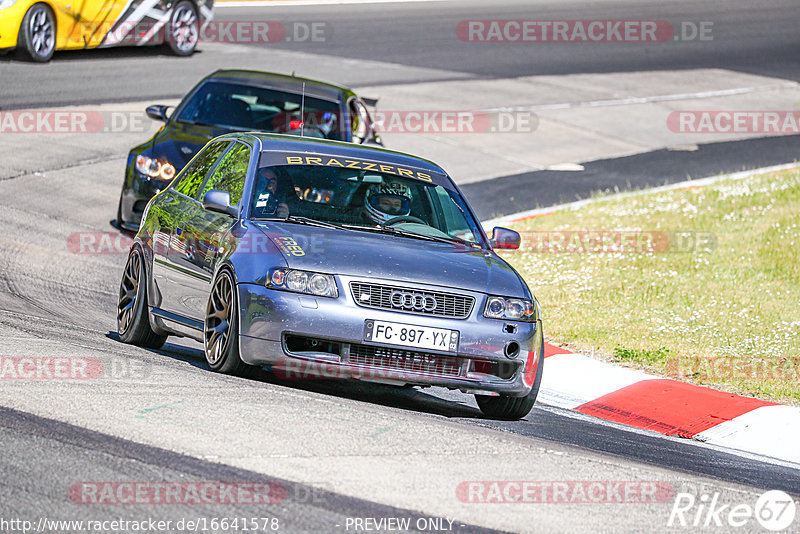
x: 512, y: 408
x: 183, y: 30
x: 221, y: 329
x: 37, y: 34
x: 133, y: 321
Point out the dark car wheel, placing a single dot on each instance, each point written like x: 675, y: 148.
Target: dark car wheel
x: 183, y: 30
x: 133, y: 323
x: 221, y: 329
x: 511, y: 408
x: 37, y: 34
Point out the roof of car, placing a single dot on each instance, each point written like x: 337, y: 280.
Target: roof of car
x: 315, y: 146
x: 283, y: 81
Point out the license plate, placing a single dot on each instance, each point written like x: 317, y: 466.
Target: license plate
x: 409, y: 335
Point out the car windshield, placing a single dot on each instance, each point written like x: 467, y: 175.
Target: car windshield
x: 243, y: 107
x: 362, y: 200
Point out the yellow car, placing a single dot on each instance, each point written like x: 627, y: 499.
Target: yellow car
x: 37, y: 28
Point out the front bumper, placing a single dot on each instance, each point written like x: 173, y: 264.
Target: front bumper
x: 136, y: 196
x: 276, y: 324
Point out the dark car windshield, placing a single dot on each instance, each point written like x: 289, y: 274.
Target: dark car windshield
x: 235, y: 106
x: 362, y: 200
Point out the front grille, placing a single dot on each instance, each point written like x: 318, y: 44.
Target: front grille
x: 380, y: 296
x: 405, y: 360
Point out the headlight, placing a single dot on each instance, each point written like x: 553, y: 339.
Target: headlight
x: 7, y: 3
x: 153, y: 168
x: 510, y: 309
x: 321, y: 285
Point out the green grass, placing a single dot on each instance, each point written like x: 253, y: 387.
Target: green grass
x: 704, y: 286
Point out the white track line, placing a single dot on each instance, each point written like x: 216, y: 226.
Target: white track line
x: 648, y: 99
x: 506, y: 219
x: 298, y: 3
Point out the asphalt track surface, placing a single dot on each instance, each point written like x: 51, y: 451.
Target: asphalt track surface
x: 520, y: 192
x: 759, y: 38
x: 61, y: 303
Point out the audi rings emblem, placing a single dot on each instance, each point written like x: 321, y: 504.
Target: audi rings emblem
x: 413, y: 301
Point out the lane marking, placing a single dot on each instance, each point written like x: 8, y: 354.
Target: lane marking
x: 687, y: 184
x: 648, y: 99
x: 298, y: 3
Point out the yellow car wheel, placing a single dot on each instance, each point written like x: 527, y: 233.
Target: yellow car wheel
x: 37, y: 34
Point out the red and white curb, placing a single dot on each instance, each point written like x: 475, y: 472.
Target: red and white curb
x: 647, y: 402
x: 640, y: 400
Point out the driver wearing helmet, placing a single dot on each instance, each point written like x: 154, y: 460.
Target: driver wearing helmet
x: 386, y: 201
x: 269, y: 200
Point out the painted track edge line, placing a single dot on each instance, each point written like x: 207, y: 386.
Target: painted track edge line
x: 538, y: 212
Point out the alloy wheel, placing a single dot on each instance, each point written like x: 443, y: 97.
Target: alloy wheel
x: 218, y: 317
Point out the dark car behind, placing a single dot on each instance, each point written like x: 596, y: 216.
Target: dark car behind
x: 237, y: 100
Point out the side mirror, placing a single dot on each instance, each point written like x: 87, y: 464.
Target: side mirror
x: 220, y: 202
x: 157, y: 112
x: 503, y: 238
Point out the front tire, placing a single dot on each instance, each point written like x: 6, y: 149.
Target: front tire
x: 133, y: 323
x: 221, y: 329
x: 37, y: 34
x: 183, y: 31
x: 508, y: 408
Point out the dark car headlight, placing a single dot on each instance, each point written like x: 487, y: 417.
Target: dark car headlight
x: 317, y: 284
x: 155, y: 169
x: 511, y: 309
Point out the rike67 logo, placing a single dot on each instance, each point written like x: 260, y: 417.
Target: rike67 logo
x: 774, y: 510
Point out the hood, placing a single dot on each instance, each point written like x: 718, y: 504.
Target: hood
x: 371, y: 255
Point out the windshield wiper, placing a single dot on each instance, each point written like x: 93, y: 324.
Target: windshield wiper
x: 300, y: 220
x: 210, y: 125
x: 201, y: 123
x: 395, y: 231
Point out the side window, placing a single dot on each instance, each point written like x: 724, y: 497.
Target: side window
x: 231, y: 172
x: 193, y: 176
